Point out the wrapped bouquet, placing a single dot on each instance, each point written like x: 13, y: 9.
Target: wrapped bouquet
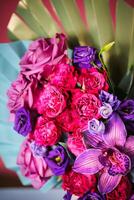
x: 77, y: 128
x: 67, y: 100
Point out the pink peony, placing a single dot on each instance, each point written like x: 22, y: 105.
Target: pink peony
x: 43, y: 53
x: 86, y: 104
x: 51, y: 102
x: 75, y: 143
x: 46, y: 133
x: 33, y: 167
x: 68, y: 120
x: 93, y: 81
x: 64, y: 76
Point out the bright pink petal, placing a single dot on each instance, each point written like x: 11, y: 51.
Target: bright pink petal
x: 129, y: 148
x: 108, y: 183
x: 88, y: 162
x: 115, y: 133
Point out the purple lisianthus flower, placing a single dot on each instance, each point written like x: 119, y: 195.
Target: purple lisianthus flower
x: 106, y: 97
x: 126, y: 111
x: 85, y: 56
x: 38, y: 150
x: 23, y: 121
x: 96, y: 127
x: 113, y: 155
x: 67, y: 196
x: 92, y: 196
x: 105, y: 110
x: 57, y: 159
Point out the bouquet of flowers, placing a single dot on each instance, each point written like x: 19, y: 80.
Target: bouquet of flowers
x: 75, y: 126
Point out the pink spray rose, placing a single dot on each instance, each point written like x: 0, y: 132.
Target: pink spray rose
x: 43, y: 53
x: 46, y: 132
x: 50, y: 102
x: 33, y: 167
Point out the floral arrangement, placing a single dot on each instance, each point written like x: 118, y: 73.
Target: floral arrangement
x: 75, y: 127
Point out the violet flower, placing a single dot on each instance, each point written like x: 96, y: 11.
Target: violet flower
x: 95, y: 126
x: 112, y: 154
x: 92, y: 196
x: 67, y: 196
x: 126, y: 111
x: 105, y: 110
x: 38, y: 150
x: 85, y: 56
x: 23, y: 121
x: 58, y: 160
x: 106, y: 97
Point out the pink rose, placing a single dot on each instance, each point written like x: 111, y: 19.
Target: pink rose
x: 20, y: 93
x: 43, y: 53
x: 33, y: 167
x: 51, y: 102
x: 46, y: 132
x: 63, y: 76
x: 86, y: 104
x: 75, y: 143
x: 93, y: 81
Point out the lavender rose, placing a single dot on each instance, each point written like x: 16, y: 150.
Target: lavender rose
x: 85, y: 56
x: 23, y: 121
x: 106, y: 97
x: 58, y: 160
x: 95, y: 126
x: 106, y: 110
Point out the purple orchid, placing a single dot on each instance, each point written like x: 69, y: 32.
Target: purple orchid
x: 67, y: 196
x: 112, y: 155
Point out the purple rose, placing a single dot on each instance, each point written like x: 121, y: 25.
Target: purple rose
x: 58, y: 160
x: 23, y: 121
x: 106, y: 97
x: 126, y: 111
x: 67, y: 196
x: 91, y: 196
x: 85, y: 56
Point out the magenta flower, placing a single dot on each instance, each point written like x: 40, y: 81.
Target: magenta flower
x: 112, y: 155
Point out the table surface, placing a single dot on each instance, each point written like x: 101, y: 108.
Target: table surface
x: 30, y: 194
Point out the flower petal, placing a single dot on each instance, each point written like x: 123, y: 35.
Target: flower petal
x: 94, y: 140
x: 115, y: 132
x: 88, y: 162
x: 107, y: 183
x: 129, y: 148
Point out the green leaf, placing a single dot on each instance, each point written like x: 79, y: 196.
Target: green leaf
x: 127, y: 81
x: 106, y: 47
